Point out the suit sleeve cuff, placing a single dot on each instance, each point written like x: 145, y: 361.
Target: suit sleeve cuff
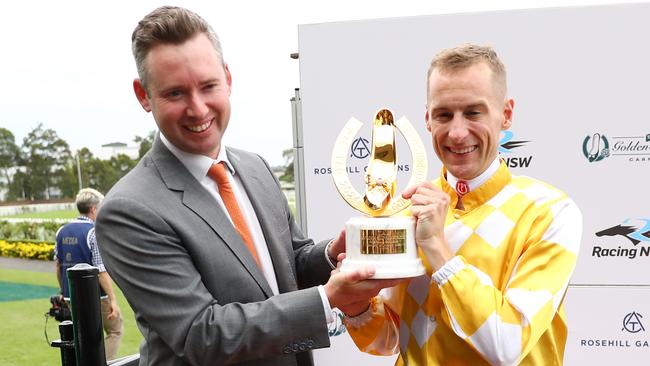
x: 329, y: 260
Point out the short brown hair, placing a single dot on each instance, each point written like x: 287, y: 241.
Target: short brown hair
x: 167, y: 25
x: 461, y: 57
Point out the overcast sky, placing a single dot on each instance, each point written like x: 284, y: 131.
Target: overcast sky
x: 68, y: 64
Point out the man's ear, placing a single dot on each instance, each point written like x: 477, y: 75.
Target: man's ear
x: 228, y: 77
x: 426, y: 120
x: 507, y: 114
x: 141, y: 94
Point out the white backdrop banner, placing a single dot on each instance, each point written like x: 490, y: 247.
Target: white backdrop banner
x: 608, y: 326
x: 580, y: 80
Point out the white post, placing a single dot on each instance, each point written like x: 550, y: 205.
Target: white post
x: 298, y: 162
x: 78, y: 171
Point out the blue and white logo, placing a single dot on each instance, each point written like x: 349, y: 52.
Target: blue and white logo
x: 634, y: 233
x: 506, y: 144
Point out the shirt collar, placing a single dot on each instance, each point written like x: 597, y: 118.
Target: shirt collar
x: 478, y: 195
x: 197, y: 165
x: 476, y: 182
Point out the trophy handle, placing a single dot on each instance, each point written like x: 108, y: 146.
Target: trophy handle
x: 418, y: 159
x: 342, y: 181
x: 339, y: 163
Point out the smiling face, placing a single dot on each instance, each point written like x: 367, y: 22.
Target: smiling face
x: 188, y: 93
x: 465, y: 115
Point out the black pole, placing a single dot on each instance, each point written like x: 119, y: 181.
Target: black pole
x: 66, y: 343
x: 86, y: 315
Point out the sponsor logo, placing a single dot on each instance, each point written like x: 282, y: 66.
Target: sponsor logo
x: 631, y: 324
x: 360, y: 148
x: 635, y: 231
x: 506, y: 146
x: 634, y: 234
x: 597, y: 147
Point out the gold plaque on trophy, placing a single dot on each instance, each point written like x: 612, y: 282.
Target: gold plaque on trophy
x: 380, y: 238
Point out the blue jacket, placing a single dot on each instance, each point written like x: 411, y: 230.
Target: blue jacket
x: 72, y: 247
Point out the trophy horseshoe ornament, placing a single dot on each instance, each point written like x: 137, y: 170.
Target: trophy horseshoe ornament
x: 379, y: 238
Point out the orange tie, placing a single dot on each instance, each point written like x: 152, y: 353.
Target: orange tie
x: 218, y: 173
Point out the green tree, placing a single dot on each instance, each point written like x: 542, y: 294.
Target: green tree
x: 86, y: 159
x: 96, y: 173
x: 67, y: 181
x: 46, y: 156
x: 9, y: 152
x: 145, y: 143
x: 101, y: 175
x: 19, y: 188
x: 122, y: 164
x: 287, y: 176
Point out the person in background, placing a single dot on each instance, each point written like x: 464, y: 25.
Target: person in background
x: 499, y: 249
x: 199, y: 236
x: 76, y: 243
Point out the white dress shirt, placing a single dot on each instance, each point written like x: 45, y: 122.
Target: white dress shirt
x: 198, y: 166
x: 476, y: 182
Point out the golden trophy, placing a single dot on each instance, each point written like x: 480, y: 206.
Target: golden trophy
x: 379, y: 238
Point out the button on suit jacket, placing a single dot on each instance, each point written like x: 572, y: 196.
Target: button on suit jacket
x: 198, y: 296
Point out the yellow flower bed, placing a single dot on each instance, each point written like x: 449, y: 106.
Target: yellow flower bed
x: 42, y: 251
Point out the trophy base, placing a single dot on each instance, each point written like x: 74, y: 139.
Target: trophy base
x: 386, y: 271
x: 386, y: 243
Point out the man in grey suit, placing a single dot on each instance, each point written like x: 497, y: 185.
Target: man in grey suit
x: 204, y: 290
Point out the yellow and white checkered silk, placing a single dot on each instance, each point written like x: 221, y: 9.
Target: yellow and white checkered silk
x: 499, y: 301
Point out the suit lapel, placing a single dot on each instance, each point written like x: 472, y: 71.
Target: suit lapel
x: 268, y: 212
x: 196, y: 198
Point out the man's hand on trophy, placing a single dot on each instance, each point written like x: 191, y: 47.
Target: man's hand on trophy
x: 429, y: 207
x: 336, y: 247
x: 356, y: 308
x: 351, y: 291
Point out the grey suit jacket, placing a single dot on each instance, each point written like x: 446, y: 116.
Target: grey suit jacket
x: 198, y: 296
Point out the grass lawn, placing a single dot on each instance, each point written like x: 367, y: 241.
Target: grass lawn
x: 22, y: 324
x: 58, y: 214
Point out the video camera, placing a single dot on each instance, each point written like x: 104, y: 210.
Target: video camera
x: 59, y: 310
